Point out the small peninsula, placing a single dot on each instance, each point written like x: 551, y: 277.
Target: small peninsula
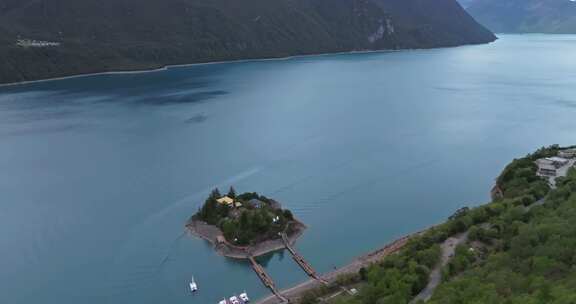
x: 245, y: 225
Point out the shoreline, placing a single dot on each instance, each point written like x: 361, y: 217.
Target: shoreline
x: 184, y: 65
x: 211, y: 234
x: 447, y: 246
x: 295, y: 292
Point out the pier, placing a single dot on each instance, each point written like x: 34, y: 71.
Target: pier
x: 302, y: 262
x: 266, y: 279
x: 269, y: 283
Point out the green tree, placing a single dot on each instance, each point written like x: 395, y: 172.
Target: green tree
x: 229, y: 230
x: 215, y: 194
x: 288, y: 215
x: 232, y: 192
x: 245, y: 221
x: 363, y: 274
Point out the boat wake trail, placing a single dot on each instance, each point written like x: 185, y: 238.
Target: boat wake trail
x: 307, y: 178
x: 174, y: 209
x: 309, y: 206
x: 144, y: 272
x: 171, y: 249
x: 196, y: 195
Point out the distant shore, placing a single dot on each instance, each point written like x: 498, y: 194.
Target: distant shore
x: 171, y: 66
x: 212, y: 233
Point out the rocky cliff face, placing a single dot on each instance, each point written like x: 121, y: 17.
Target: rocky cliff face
x: 105, y: 35
x: 525, y: 16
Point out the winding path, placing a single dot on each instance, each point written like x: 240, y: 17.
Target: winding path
x: 448, y: 249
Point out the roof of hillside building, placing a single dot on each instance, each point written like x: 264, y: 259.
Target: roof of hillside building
x: 256, y: 203
x: 547, y: 167
x: 557, y: 159
x: 543, y: 162
x: 569, y: 151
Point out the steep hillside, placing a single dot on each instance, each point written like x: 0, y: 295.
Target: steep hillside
x: 516, y: 249
x: 105, y: 35
x: 425, y: 23
x: 465, y: 3
x: 526, y: 16
x: 523, y: 255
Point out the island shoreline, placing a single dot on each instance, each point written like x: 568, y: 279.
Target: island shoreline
x: 211, y: 233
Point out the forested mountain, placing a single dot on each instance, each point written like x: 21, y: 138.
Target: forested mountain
x: 525, y: 16
x: 102, y: 35
x: 465, y: 3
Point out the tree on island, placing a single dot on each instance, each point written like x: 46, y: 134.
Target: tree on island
x: 211, y: 211
x: 215, y: 194
x: 244, y: 221
x: 232, y: 193
x: 288, y: 215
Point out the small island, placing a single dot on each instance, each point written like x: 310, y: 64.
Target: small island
x: 245, y: 225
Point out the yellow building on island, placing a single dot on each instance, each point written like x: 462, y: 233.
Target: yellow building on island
x: 225, y: 200
x: 228, y: 201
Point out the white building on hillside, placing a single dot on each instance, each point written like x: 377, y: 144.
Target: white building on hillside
x: 568, y: 153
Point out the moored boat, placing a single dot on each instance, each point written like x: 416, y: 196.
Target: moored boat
x: 244, y: 297
x: 193, y: 285
x: 241, y: 299
x: 234, y: 300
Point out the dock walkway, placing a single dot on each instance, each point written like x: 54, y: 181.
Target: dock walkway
x: 266, y: 279
x: 302, y: 262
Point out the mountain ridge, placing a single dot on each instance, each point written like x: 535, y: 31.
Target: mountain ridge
x: 102, y: 36
x: 525, y: 16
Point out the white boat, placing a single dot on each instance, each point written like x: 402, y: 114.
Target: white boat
x: 244, y: 297
x: 241, y: 299
x: 193, y: 285
x: 234, y: 300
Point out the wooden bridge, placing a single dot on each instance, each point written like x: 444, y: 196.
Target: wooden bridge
x: 266, y: 279
x: 302, y: 262
x: 269, y: 283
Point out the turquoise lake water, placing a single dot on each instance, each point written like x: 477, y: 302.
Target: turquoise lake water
x: 98, y: 174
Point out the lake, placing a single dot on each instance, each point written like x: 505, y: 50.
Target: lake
x: 99, y: 174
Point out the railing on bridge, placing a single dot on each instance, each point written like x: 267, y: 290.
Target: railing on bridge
x: 266, y: 279
x: 301, y: 261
